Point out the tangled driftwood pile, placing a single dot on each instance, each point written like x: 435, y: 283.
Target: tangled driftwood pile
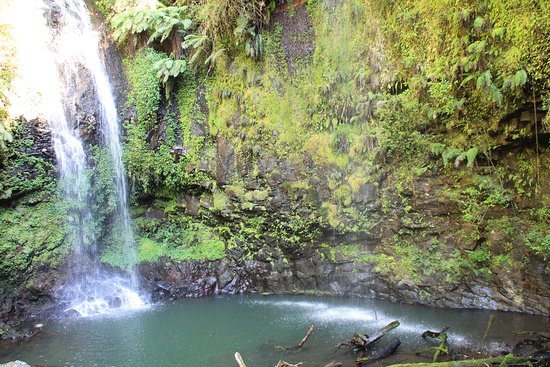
x: 371, y: 348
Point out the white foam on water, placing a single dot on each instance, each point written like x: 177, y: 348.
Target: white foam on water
x: 361, y: 317
x: 105, y: 297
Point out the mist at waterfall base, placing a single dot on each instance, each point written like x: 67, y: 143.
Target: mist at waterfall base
x: 57, y: 53
x: 208, y: 331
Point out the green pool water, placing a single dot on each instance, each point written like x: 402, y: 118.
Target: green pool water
x: 208, y: 331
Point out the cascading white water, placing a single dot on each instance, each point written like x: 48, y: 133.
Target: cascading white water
x: 109, y: 120
x: 51, y: 60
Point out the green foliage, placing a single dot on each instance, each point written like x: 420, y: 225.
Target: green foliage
x: 219, y: 200
x: 225, y: 23
x: 538, y: 238
x: 189, y: 115
x: 31, y: 235
x: 457, y: 154
x: 177, y: 237
x: 105, y: 6
x: 460, y: 61
x: 403, y: 259
x: 150, y: 152
x: 22, y: 172
x: 485, y: 193
x: 169, y: 68
x: 159, y: 23
x: 145, y: 86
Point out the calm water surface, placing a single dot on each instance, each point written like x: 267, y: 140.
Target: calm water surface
x: 208, y: 331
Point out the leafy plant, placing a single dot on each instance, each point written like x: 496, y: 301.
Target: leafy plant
x: 159, y: 23
x: 228, y: 22
x: 169, y: 67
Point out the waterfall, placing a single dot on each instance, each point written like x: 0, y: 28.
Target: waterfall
x: 60, y: 65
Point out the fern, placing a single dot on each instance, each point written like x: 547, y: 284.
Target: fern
x: 169, y: 68
x: 160, y: 22
x: 437, y: 148
x: 194, y: 41
x: 450, y: 154
x: 516, y: 81
x: 471, y: 155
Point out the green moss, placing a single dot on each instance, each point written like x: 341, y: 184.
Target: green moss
x: 23, y: 173
x: 190, y: 114
x: 236, y: 190
x: 220, y: 200
x: 179, y: 238
x: 257, y: 195
x: 31, y: 235
x: 393, y: 92
x: 153, y: 158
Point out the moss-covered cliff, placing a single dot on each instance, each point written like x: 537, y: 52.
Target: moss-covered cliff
x: 393, y: 149
x: 406, y: 139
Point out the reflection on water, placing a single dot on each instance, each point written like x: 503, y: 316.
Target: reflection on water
x: 208, y: 331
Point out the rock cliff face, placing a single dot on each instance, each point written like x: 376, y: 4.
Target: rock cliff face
x: 426, y: 233
x: 352, y: 266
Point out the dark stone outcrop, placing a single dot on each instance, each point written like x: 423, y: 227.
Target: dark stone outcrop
x: 312, y: 275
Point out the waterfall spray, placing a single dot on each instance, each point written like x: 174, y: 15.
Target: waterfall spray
x: 57, y: 45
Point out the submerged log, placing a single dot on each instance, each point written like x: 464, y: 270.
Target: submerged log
x: 302, y: 342
x: 536, y: 347
x: 489, y: 325
x: 508, y: 360
x: 362, y: 341
x: 380, y: 352
x: 306, y: 337
x: 434, y: 334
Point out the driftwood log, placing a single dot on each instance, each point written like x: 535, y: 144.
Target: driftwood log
x: 306, y: 337
x: 282, y: 363
x: 301, y: 343
x: 362, y: 341
x: 239, y: 360
x: 508, y: 360
x: 363, y: 344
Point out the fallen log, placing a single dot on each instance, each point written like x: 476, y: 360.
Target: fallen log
x: 380, y: 352
x: 306, y: 337
x: 362, y: 341
x: 380, y: 333
x: 507, y: 360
